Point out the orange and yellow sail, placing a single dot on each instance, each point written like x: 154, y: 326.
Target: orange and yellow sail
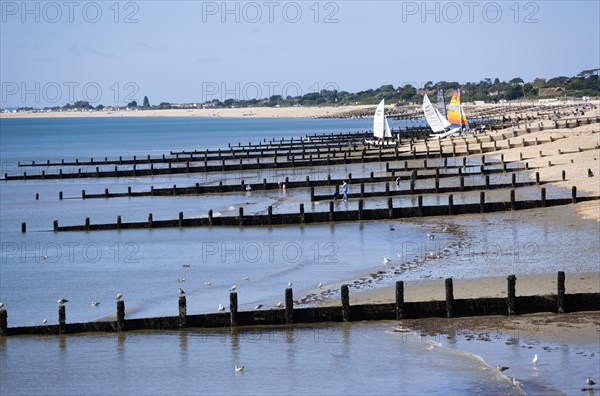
x: 456, y: 116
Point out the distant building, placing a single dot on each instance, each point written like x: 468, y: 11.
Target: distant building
x: 551, y: 91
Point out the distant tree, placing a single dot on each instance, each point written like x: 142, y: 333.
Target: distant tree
x: 539, y: 82
x: 516, y: 80
x: 529, y: 90
x: 515, y: 92
x: 82, y: 104
x: 99, y: 107
x: 133, y: 103
x: 146, y: 102
x: 557, y: 81
x: 165, y: 105
x: 496, y: 80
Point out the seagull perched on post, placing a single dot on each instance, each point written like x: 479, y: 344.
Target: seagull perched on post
x: 1, y: 305
x: 181, y: 291
x: 259, y: 306
x: 119, y: 297
x: 95, y: 303
x: 186, y: 265
x: 386, y: 260
x: 232, y: 288
x: 239, y: 369
x: 290, y: 283
x: 221, y: 308
x: 181, y: 280
x: 589, y: 381
x: 62, y: 301
x: 279, y: 305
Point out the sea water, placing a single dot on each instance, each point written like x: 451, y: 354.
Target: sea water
x: 146, y: 266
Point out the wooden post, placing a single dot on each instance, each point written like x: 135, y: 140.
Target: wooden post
x: 289, y: 306
x: 564, y: 175
x: 150, y: 220
x: 560, y: 292
x: 330, y: 210
x: 182, y: 312
x: 362, y: 190
x: 481, y: 202
x: 513, y: 180
x: 3, y: 322
x: 511, y: 298
x: 37, y: 196
x: 118, y: 222
x: 360, y: 209
x: 543, y: 197
x: 62, y: 319
x: 302, y: 213
x: 120, y: 315
x: 55, y: 226
x: 60, y: 195
x: 23, y: 227
x: 399, y: 300
x: 312, y: 194
x: 87, y: 223
x: 390, y: 208
x: 180, y: 223
x: 269, y: 215
x: 574, y: 194
x: 449, y: 298
x: 210, y: 217
x: 241, y: 217
x: 512, y: 199
x: 82, y: 194
x: 537, y: 178
x: 345, y: 303
x: 233, y: 309
x: 420, y: 205
x: 450, y: 204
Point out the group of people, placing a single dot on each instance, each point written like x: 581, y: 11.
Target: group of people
x: 413, y: 180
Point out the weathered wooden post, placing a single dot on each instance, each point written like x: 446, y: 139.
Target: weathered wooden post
x: 512, y: 199
x: 210, y: 217
x: 345, y: 303
x: 302, y: 213
x: 233, y: 309
x: 462, y: 183
x: 362, y: 190
x: 37, y: 196
x: 330, y: 210
x: 149, y: 220
x: 387, y: 189
x: 23, y: 227
x: 360, y: 209
x: 180, y: 222
x: 399, y: 300
x: 450, y: 204
x: 564, y: 175
x: 481, y: 202
x: 560, y: 292
x: 55, y: 226
x: 390, y: 205
x: 574, y: 194
x: 511, y: 297
x: 537, y: 178
x: 82, y: 194
x: 449, y: 298
x: 241, y: 216
x: 120, y: 315
x: 269, y: 215
x: 543, y: 197
x: 420, y: 205
x: 289, y: 306
x: 118, y: 222
x: 87, y: 223
x: 182, y: 312
x: 62, y: 319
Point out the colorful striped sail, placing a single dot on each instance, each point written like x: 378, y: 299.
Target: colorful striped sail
x: 455, y: 113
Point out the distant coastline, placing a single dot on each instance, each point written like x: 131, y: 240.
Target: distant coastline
x: 246, y: 112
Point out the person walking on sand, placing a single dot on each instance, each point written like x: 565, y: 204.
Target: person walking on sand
x: 345, y: 191
x: 398, y: 183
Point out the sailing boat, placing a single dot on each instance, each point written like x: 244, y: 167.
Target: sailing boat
x: 441, y: 126
x: 381, y: 127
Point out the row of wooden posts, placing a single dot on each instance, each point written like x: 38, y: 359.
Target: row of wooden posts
x: 346, y: 308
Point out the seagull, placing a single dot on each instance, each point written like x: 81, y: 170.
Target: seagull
x: 95, y: 303
x: 386, y: 260
x: 501, y: 368
x: 246, y: 278
x: 181, y: 291
x: 535, y: 359
x: 279, y: 305
x: 590, y: 173
x: 445, y: 229
x: 290, y: 283
x: 232, y: 288
x: 259, y: 306
x: 516, y: 383
x: 181, y: 280
x: 46, y: 321
x: 589, y: 381
x: 431, y: 236
x: 206, y: 283
x: 1, y: 305
x: 45, y: 257
x: 320, y: 285
x: 119, y: 297
x: 239, y: 369
x: 62, y: 301
x: 248, y: 188
x: 221, y: 308
x: 186, y: 265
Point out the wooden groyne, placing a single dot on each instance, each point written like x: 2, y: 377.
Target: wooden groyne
x: 288, y: 315
x: 221, y: 188
x: 331, y: 216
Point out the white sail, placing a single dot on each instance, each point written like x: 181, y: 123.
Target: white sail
x: 387, y: 132
x: 378, y: 120
x: 436, y: 121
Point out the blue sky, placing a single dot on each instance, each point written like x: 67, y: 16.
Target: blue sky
x: 183, y: 51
